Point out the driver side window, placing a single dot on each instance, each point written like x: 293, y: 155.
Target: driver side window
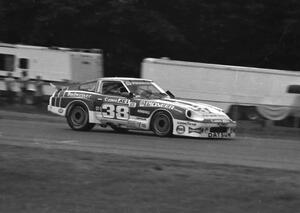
x: 112, y: 88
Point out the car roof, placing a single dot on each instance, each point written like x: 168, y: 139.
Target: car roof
x: 123, y: 79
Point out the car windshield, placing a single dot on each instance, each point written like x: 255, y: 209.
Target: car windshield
x: 145, y: 89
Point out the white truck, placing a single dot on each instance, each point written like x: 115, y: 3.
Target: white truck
x: 53, y: 64
x: 240, y: 91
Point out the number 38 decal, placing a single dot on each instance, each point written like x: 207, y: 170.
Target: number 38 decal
x: 112, y: 111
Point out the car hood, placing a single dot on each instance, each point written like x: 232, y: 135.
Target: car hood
x: 191, y: 104
x: 205, y: 111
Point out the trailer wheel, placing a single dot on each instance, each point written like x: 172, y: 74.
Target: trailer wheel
x: 78, y: 119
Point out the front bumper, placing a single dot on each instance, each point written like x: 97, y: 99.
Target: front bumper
x: 204, y: 130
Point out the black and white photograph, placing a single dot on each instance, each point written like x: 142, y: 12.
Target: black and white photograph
x: 149, y: 106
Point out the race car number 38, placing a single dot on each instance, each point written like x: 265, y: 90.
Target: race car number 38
x: 115, y: 112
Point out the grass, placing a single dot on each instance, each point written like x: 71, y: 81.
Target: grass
x: 43, y: 180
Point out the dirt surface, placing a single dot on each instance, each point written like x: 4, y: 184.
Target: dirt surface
x: 42, y: 180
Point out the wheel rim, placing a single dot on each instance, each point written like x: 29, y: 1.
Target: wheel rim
x: 162, y: 124
x: 78, y: 116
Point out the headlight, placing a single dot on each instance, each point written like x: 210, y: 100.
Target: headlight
x: 193, y: 115
x: 188, y: 113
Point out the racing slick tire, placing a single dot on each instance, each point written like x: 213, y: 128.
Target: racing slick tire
x: 78, y: 119
x: 161, y: 124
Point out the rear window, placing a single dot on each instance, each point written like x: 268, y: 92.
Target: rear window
x: 90, y: 86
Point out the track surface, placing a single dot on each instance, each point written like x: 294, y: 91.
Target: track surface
x: 246, y: 151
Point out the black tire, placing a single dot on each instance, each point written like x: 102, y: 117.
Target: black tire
x: 78, y: 119
x: 162, y: 124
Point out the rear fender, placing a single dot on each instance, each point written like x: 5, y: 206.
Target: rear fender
x: 76, y: 103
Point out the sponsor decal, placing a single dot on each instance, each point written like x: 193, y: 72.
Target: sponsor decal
x: 142, y: 103
x: 180, y: 129
x: 78, y: 95
x: 196, y: 130
x: 116, y: 100
x: 155, y: 104
x: 219, y: 135
x: 143, y: 112
x: 132, y: 104
x: 98, y: 108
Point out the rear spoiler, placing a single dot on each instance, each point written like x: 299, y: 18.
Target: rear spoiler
x: 58, y: 87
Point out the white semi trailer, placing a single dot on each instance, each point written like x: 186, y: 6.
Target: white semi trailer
x: 250, y: 90
x: 53, y: 64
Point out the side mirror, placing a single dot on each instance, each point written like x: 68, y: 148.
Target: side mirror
x: 170, y: 94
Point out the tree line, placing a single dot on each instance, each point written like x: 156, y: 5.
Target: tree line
x: 257, y: 33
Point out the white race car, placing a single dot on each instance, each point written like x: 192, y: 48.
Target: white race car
x: 133, y: 103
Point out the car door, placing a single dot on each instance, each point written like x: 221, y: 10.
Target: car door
x: 114, y: 107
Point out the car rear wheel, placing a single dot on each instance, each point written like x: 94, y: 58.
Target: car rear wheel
x: 78, y: 119
x: 162, y: 124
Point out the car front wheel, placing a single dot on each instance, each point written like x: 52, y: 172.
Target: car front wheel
x: 162, y: 124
